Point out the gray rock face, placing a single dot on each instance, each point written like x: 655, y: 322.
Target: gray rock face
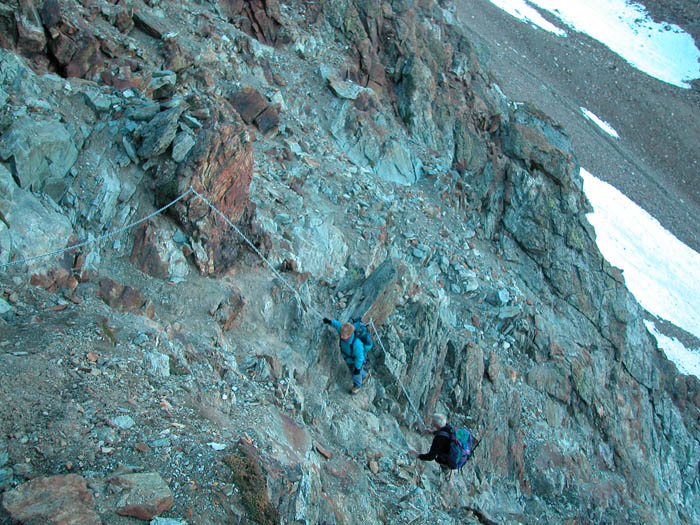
x: 15, y: 75
x: 535, y: 139
x: 7, y: 190
x: 416, y: 86
x: 387, y: 153
x: 7, y: 187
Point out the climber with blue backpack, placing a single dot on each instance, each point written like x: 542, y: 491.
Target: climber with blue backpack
x: 451, y: 447
x: 355, y: 343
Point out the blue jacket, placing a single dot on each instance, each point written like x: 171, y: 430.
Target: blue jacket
x: 353, y: 350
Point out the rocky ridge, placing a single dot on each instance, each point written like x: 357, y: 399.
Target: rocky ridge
x: 366, y: 153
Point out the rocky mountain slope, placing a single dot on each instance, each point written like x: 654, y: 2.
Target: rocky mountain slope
x: 331, y: 159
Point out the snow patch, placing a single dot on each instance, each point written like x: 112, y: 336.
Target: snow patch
x: 600, y: 123
x: 660, y: 271
x: 687, y: 361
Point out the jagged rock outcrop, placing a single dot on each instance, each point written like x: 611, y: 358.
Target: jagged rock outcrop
x: 220, y: 168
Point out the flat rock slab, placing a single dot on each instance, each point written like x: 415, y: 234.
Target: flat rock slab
x: 150, y: 24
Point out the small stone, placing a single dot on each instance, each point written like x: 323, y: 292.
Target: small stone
x: 22, y: 470
x: 130, y: 150
x: 508, y: 312
x: 157, y: 364
x: 194, y: 122
x: 99, y: 102
x: 374, y: 467
x: 4, y: 306
x: 344, y: 89
x: 124, y: 422
x: 167, y: 521
x: 283, y: 219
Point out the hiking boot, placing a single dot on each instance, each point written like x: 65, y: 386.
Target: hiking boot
x: 446, y: 472
x: 354, y: 390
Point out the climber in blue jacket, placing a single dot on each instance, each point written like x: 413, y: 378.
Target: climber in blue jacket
x: 354, y: 351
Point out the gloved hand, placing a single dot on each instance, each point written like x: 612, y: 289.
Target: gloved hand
x: 326, y: 320
x: 356, y: 371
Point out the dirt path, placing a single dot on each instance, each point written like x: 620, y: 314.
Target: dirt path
x: 656, y: 160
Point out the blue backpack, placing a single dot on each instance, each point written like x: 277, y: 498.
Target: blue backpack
x: 362, y: 333
x: 461, y: 446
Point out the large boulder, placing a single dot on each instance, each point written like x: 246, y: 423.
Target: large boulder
x: 62, y: 500
x: 40, y: 152
x: 319, y: 248
x: 220, y: 218
x: 253, y: 107
x: 143, y: 495
x: 36, y: 227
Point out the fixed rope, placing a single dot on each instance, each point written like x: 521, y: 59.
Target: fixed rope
x: 96, y: 239
x: 238, y: 231
x: 410, y: 402
x: 144, y: 219
x: 255, y: 249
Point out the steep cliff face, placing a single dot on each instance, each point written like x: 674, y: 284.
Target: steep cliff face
x: 334, y: 159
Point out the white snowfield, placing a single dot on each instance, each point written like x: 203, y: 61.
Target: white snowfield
x: 663, y: 51
x: 662, y: 273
